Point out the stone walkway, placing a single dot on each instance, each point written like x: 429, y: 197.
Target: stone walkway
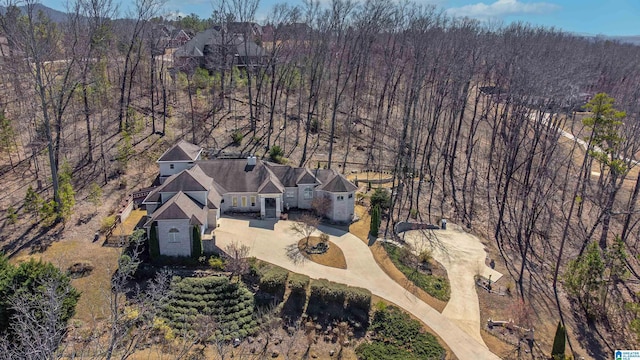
x: 463, y: 255
x: 269, y: 241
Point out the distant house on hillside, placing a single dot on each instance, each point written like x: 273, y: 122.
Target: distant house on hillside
x: 215, y: 48
x: 195, y: 192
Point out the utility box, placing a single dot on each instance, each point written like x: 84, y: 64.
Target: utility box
x: 443, y: 224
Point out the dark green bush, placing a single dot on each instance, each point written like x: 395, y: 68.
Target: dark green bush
x: 274, y: 281
x: 397, y: 336
x: 298, y: 283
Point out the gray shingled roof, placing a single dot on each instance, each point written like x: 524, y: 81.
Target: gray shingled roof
x: 290, y: 176
x: 193, y: 179
x: 234, y: 175
x: 187, y: 180
x: 181, y: 206
x: 182, y: 151
x: 339, y: 184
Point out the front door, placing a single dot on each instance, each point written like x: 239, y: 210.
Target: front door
x: 270, y: 208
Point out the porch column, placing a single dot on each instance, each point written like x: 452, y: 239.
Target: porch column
x: 278, y: 206
x: 262, y: 213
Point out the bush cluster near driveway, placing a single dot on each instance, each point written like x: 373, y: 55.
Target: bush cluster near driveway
x: 435, y: 286
x: 228, y: 304
x: 398, y: 337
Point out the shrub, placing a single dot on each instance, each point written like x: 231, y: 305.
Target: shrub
x: 399, y: 337
x: 298, y: 283
x: 375, y: 221
x: 276, y: 153
x: 274, y: 280
x: 216, y: 263
x: 324, y: 238
x: 32, y: 201
x: 107, y: 223
x: 154, y: 243
x: 12, y: 215
x: 557, y: 351
x: 196, y: 240
x: 314, y: 126
x: 237, y: 137
x: 381, y: 198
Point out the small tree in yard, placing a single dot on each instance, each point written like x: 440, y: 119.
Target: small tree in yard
x: 381, y: 198
x: 276, y: 154
x: 375, y: 221
x: 236, y: 259
x: 32, y: 201
x: 12, y: 215
x: 196, y: 239
x: 95, y: 195
x: 305, y: 226
x: 557, y: 351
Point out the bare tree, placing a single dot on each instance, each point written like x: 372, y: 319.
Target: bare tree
x: 305, y: 226
x: 236, y: 261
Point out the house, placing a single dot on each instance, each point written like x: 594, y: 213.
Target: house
x: 194, y: 192
x: 217, y: 48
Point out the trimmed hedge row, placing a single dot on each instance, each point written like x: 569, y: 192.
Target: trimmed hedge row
x: 231, y: 305
x: 298, y: 283
x: 338, y: 300
x: 274, y: 280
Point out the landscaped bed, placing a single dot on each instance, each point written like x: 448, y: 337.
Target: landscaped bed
x: 434, y: 285
x: 333, y: 257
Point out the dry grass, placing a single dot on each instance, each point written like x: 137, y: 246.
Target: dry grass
x: 127, y: 227
x: 94, y: 301
x: 334, y: 257
x: 360, y: 228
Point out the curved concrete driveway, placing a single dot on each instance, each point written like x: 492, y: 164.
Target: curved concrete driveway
x: 269, y: 240
x: 463, y: 255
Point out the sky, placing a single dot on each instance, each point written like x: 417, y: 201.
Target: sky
x: 585, y: 17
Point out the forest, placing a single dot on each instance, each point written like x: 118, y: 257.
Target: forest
x: 526, y: 136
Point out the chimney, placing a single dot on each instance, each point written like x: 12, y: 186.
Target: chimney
x: 251, y: 160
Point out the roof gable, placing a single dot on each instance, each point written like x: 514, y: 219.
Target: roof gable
x: 182, y: 151
x: 338, y: 184
x: 180, y: 207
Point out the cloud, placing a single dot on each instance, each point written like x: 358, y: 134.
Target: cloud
x: 501, y: 8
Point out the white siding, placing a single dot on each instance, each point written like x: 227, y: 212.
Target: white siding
x: 341, y: 210
x: 182, y: 244
x: 166, y: 170
x: 290, y: 197
x: 302, y: 202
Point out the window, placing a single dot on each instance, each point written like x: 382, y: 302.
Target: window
x: 350, y: 196
x: 308, y: 193
x: 171, y: 166
x: 340, y: 197
x: 253, y: 201
x: 290, y: 193
x: 174, y: 235
x: 244, y: 201
x: 234, y: 201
